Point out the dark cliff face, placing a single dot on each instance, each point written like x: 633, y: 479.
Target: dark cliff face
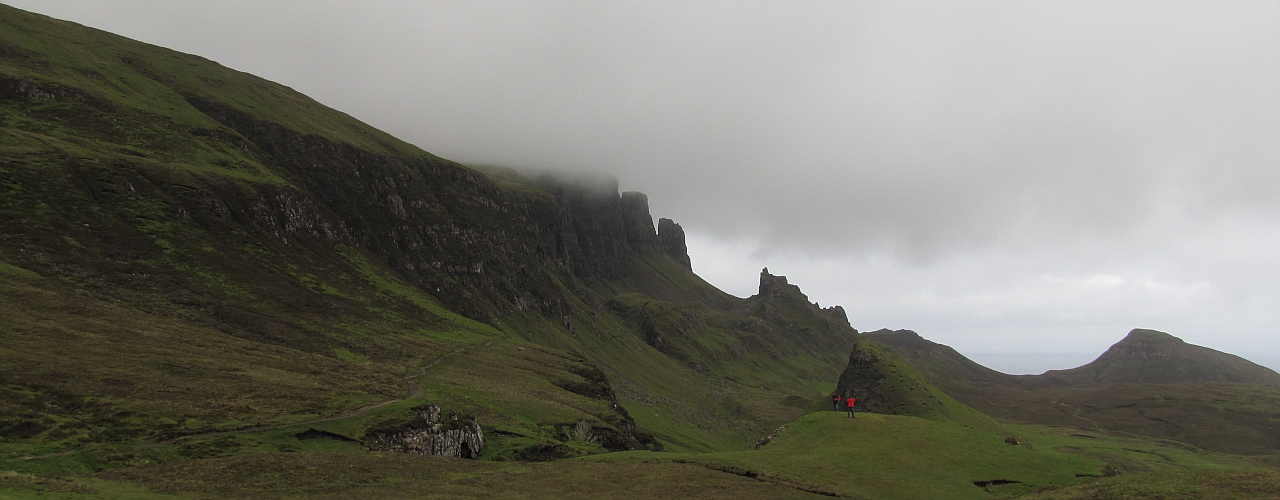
x: 638, y: 224
x: 671, y: 242
x: 240, y: 210
x: 776, y: 287
x: 592, y: 236
x: 447, y: 228
x: 442, y: 226
x: 597, y: 231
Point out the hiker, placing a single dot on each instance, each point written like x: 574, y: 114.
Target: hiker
x: 835, y: 402
x: 849, y: 404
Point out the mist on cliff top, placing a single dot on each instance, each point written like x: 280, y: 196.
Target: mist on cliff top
x: 1024, y: 181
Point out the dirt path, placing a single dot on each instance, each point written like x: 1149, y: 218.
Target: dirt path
x: 414, y: 389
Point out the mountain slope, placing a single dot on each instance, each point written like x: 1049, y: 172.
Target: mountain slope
x: 1151, y: 357
x: 186, y: 249
x: 1150, y: 383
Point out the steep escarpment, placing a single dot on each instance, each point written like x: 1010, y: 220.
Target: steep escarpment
x: 188, y: 250
x: 595, y: 231
x: 776, y: 324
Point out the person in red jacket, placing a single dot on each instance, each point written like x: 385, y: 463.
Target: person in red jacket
x: 849, y: 404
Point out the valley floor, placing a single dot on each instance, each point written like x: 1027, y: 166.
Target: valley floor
x: 824, y: 454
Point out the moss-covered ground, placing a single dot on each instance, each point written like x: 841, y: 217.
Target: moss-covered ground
x: 821, y: 454
x: 180, y: 305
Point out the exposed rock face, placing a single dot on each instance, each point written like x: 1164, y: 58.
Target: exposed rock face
x: 882, y: 387
x: 671, y: 242
x: 432, y: 433
x: 593, y: 237
x: 597, y: 231
x: 769, y: 439
x: 446, y: 228
x: 776, y: 287
x: 638, y: 223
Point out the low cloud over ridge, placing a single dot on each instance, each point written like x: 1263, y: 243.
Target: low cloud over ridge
x: 1003, y: 177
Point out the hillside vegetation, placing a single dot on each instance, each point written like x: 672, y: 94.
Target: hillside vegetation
x: 1150, y: 383
x: 212, y: 286
x: 187, y: 249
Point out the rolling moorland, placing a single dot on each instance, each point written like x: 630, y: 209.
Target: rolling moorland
x: 212, y: 286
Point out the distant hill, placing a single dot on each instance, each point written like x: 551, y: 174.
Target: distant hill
x: 939, y: 361
x: 1150, y: 383
x: 1152, y: 357
x: 1142, y: 357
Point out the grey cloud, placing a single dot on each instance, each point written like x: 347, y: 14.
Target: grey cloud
x: 977, y: 144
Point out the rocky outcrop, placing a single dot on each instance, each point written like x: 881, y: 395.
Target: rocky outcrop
x: 592, y: 236
x: 883, y: 383
x: 776, y: 287
x: 638, y: 224
x: 671, y: 242
x: 432, y: 432
x: 598, y: 232
x: 447, y: 228
x: 876, y: 383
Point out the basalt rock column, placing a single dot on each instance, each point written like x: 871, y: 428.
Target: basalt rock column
x: 671, y: 242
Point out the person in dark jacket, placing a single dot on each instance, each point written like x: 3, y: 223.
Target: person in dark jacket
x: 849, y: 404
x: 835, y: 402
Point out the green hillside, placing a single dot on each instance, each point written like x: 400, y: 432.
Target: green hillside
x: 212, y: 286
x: 188, y: 249
x: 1150, y: 383
x: 823, y: 454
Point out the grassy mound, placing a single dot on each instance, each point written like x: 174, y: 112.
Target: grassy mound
x: 884, y: 382
x: 890, y: 456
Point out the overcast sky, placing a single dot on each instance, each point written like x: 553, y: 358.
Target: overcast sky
x: 1023, y: 181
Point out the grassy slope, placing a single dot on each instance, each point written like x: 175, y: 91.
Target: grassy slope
x: 885, y: 383
x: 872, y: 456
x: 150, y: 81
x: 96, y: 162
x: 144, y: 336
x: 1230, y: 418
x: 348, y: 474
x: 890, y: 456
x: 180, y: 329
x: 1214, y: 484
x: 1226, y: 417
